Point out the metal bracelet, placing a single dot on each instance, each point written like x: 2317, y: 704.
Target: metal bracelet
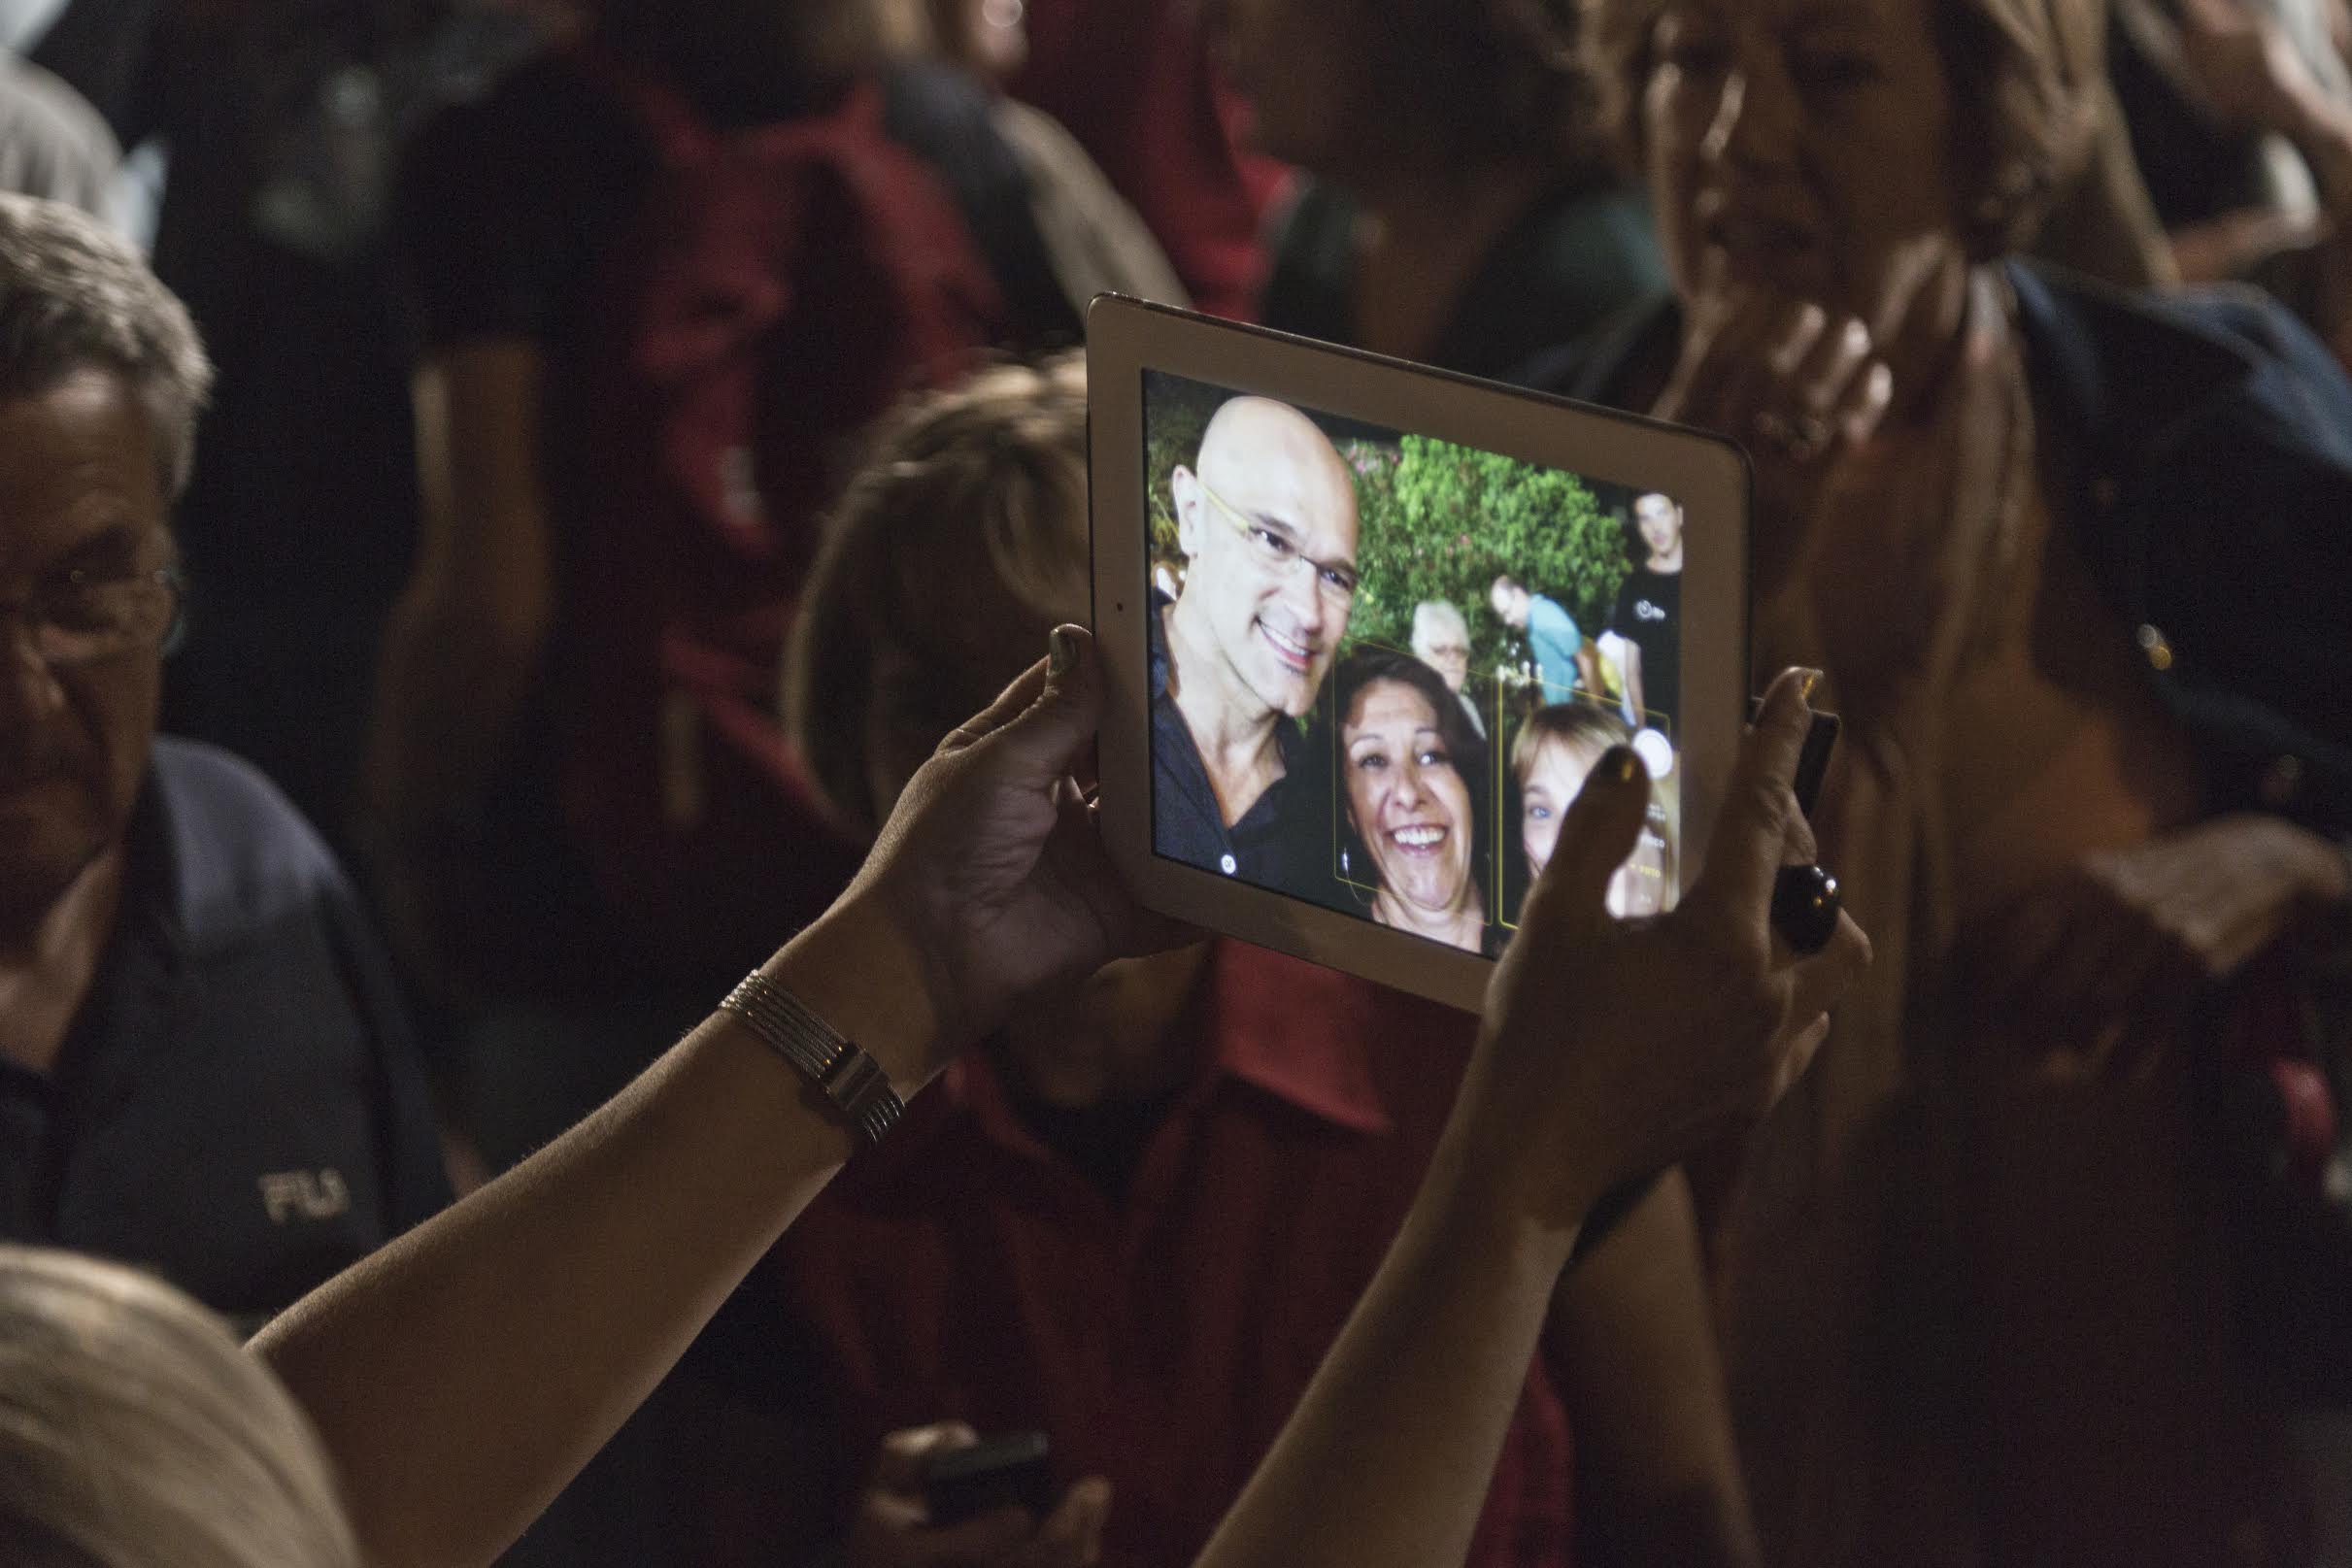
x: 850, y: 1077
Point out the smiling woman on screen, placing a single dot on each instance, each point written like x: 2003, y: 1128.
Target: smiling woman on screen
x: 1410, y: 808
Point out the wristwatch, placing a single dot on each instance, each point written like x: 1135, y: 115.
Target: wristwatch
x: 851, y: 1078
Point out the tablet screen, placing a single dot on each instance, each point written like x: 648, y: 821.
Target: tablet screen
x: 1381, y: 664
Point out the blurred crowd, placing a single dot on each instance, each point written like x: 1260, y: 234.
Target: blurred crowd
x: 607, y: 445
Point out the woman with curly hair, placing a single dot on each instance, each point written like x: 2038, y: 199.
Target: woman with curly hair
x: 2074, y: 565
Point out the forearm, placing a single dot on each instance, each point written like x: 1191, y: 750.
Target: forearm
x: 457, y: 672
x: 461, y: 1377
x: 464, y: 643
x: 447, y: 706
x: 1632, y: 1343
x: 1389, y: 1456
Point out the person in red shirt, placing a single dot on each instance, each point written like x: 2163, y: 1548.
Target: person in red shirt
x: 1138, y: 1221
x: 1137, y: 82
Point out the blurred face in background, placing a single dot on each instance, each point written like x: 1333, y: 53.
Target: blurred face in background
x: 1442, y: 645
x: 1660, y: 521
x: 1801, y: 146
x: 82, y: 505
x: 1303, y: 66
x: 1510, y: 604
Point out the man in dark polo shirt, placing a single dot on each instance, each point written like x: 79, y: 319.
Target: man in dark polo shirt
x: 202, y: 1068
x: 1267, y: 521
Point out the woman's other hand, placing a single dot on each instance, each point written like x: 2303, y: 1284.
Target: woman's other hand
x: 1796, y: 383
x: 1614, y: 1048
x: 892, y: 1527
x: 989, y: 880
x: 2130, y: 935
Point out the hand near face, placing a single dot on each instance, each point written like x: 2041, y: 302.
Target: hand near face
x: 1613, y: 1049
x: 991, y: 872
x: 1796, y: 383
x: 893, y: 1528
x: 2131, y: 935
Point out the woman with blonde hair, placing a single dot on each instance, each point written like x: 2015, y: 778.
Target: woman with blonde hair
x: 2074, y: 565
x: 136, y: 1433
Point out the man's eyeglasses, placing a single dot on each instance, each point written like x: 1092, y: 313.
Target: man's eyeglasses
x: 1275, y: 551
x: 82, y: 617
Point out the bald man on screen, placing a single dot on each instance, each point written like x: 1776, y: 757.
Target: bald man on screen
x: 1267, y: 521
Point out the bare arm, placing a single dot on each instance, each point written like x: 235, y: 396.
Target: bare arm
x: 1631, y: 1342
x: 463, y: 648
x: 1387, y: 1459
x: 1609, y: 1049
x: 1638, y: 710
x: 462, y: 1375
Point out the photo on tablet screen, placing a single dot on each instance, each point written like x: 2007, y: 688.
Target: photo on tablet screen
x: 1381, y: 664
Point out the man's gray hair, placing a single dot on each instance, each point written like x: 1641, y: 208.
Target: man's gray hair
x: 74, y: 295
x: 1432, y: 618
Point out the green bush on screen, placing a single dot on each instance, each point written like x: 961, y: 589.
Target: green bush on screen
x: 1442, y: 522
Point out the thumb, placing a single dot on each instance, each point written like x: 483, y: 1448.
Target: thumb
x: 1047, y: 737
x: 899, y: 1465
x: 1599, y: 831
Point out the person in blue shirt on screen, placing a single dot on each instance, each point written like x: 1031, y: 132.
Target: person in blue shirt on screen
x: 1563, y: 657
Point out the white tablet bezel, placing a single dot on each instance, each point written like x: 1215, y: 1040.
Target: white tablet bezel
x: 1706, y: 474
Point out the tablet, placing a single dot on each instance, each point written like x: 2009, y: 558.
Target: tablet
x: 1367, y: 625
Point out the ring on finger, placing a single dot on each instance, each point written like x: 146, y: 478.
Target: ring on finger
x: 1807, y: 436
x: 1805, y: 904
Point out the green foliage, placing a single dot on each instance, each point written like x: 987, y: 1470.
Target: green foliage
x: 1441, y: 521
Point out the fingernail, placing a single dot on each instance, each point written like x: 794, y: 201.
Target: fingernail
x: 1806, y: 681
x: 1061, y: 651
x: 1620, y: 764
